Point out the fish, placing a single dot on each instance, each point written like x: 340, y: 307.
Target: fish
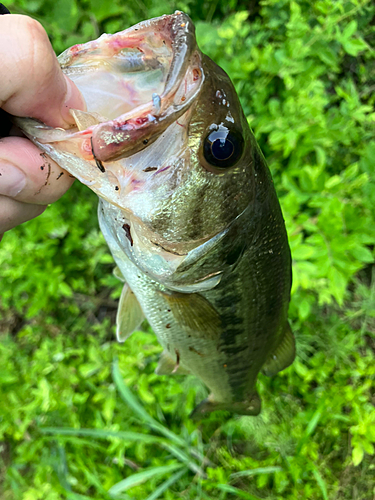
x: 187, y: 206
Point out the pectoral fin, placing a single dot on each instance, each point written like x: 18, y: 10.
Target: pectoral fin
x: 283, y: 356
x: 129, y: 314
x: 167, y: 366
x: 196, y: 313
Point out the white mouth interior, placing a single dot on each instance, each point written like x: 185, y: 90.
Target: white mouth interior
x: 115, y: 82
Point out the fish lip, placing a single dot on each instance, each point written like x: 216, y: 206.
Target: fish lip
x: 178, y: 27
x: 183, y: 43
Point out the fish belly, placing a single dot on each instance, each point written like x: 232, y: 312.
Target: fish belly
x: 191, y: 349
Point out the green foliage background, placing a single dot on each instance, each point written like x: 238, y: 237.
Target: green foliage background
x: 305, y: 74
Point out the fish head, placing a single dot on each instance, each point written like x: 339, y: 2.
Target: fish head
x: 163, y: 141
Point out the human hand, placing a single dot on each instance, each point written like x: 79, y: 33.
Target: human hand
x: 32, y: 85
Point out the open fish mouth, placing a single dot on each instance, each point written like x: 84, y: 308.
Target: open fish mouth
x: 136, y: 84
x: 144, y: 77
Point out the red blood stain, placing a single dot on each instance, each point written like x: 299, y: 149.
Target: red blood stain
x: 75, y: 49
x: 141, y: 120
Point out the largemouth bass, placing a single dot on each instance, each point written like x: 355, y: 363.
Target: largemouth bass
x: 186, y: 204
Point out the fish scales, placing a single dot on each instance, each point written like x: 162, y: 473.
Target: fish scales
x: 187, y: 206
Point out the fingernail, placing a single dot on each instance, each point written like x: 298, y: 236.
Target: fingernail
x: 73, y: 99
x: 12, y: 179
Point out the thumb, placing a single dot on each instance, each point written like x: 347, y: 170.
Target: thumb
x: 34, y: 85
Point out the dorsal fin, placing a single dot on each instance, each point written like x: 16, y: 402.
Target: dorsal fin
x: 250, y: 406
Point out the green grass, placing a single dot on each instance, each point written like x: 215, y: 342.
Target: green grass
x: 83, y: 417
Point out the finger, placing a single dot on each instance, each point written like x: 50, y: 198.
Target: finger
x: 15, y: 212
x: 28, y: 175
x: 32, y: 82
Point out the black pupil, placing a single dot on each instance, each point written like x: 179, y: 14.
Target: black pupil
x: 222, y: 149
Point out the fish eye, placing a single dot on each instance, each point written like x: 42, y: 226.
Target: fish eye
x: 223, y: 147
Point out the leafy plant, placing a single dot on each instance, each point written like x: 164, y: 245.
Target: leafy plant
x: 70, y: 423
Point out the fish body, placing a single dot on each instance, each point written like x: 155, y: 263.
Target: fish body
x: 187, y: 206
